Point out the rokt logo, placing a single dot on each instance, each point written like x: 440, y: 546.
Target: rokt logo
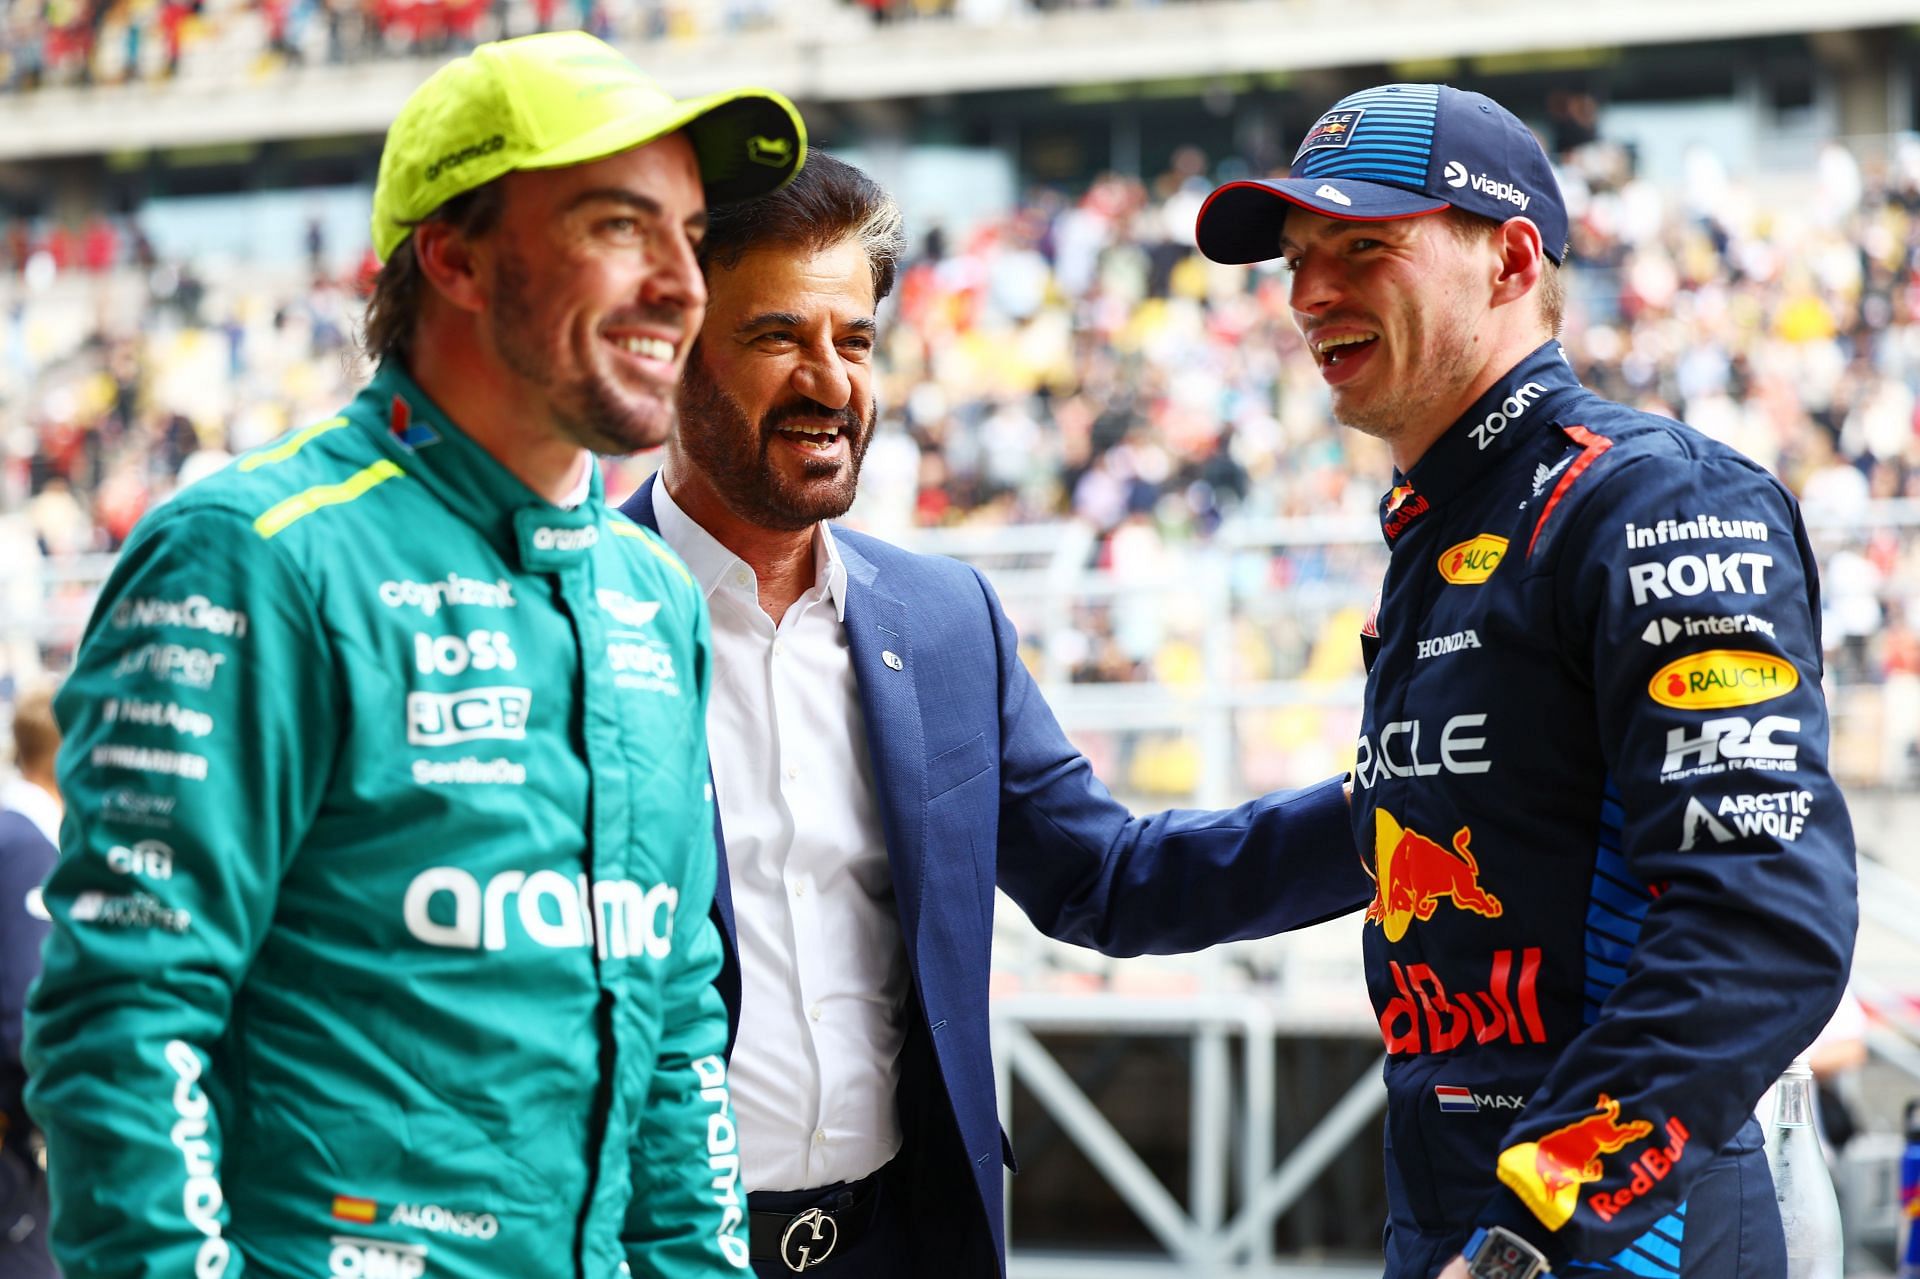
x: 1720, y: 678
x: 1472, y: 562
x: 1412, y: 874
x: 554, y: 912
x: 1547, y: 1174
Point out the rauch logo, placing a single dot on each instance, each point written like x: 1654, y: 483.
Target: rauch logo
x: 1720, y: 678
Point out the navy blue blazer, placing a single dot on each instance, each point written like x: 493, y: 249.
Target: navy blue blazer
x: 977, y: 787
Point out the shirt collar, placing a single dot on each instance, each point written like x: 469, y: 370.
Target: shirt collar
x: 1513, y: 411
x: 520, y: 523
x: 711, y: 562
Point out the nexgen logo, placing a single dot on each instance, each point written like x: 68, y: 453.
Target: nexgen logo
x: 1472, y: 562
x: 1720, y: 678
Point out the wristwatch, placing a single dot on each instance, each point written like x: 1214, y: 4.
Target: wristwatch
x: 1500, y: 1254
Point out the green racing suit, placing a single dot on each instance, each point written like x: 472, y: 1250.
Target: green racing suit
x: 380, y: 943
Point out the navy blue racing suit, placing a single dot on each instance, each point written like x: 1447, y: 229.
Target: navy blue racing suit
x: 1615, y: 880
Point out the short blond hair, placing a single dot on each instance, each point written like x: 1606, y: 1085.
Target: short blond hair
x: 1552, y: 293
x: 36, y: 735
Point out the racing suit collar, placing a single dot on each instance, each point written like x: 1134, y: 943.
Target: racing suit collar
x: 521, y: 524
x: 1510, y: 414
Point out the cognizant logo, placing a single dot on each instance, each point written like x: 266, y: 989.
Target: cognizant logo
x: 201, y: 1198
x: 447, y: 906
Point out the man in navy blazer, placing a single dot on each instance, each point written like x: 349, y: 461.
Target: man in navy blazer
x: 882, y: 760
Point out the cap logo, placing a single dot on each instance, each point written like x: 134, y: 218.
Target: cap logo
x: 775, y: 153
x: 1332, y: 133
x: 453, y: 159
x: 1455, y: 174
x: 1328, y: 191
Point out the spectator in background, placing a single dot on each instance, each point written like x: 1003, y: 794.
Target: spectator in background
x: 30, y: 813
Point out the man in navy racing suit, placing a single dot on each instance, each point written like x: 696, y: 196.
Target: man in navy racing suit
x: 1615, y: 880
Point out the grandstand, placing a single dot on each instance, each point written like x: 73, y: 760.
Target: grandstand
x: 1130, y: 439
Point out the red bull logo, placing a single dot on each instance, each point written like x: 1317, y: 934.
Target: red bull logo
x: 1403, y: 506
x: 1425, y: 1017
x: 1412, y: 873
x: 1547, y: 1174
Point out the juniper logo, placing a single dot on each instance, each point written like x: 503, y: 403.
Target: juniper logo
x: 454, y: 159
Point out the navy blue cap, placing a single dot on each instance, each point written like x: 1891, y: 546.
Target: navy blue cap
x: 1396, y: 151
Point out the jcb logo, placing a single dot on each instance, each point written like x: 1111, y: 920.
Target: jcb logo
x: 1472, y: 562
x: 472, y: 714
x: 453, y: 654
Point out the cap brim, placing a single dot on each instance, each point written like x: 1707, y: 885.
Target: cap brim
x: 1241, y: 221
x: 748, y: 141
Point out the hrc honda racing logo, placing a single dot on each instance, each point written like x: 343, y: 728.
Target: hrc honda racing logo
x: 446, y: 906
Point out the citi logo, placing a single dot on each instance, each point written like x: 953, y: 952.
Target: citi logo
x: 1456, y: 175
x: 446, y: 906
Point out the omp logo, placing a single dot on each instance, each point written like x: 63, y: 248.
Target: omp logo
x: 627, y: 610
x: 454, y: 159
x: 356, y: 1258
x: 1547, y: 1174
x: 554, y: 912
x: 1472, y: 562
x: 180, y: 719
x: 723, y: 1159
x: 1459, y: 748
x: 1328, y: 191
x: 1694, y: 575
x: 1721, y: 678
x: 441, y: 1221
x: 195, y: 613
x: 201, y: 1198
x: 565, y: 539
x: 431, y: 597
x: 1456, y: 175
x: 470, y: 715
x: 453, y: 654
x: 1511, y: 410
x: 146, y: 859
x: 1729, y: 744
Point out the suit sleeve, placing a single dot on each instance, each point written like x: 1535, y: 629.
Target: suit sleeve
x: 687, y: 1216
x: 1087, y: 871
x: 1734, y: 851
x: 199, y: 724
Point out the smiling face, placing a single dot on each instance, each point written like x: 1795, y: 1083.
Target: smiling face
x: 777, y: 409
x: 596, y: 291
x: 1395, y: 314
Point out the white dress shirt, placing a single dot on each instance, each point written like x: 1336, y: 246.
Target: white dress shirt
x: 823, y: 972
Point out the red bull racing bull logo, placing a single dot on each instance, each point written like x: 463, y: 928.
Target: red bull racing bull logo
x: 1412, y: 873
x: 1547, y: 1174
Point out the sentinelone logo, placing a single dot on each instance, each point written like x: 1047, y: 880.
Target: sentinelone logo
x: 1457, y: 176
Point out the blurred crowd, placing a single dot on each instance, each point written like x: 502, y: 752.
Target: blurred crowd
x: 1076, y: 360
x: 89, y: 42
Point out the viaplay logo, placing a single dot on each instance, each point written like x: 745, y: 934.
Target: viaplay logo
x: 1455, y: 175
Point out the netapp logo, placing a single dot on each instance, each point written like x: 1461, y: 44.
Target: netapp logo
x: 454, y: 159
x: 1456, y: 175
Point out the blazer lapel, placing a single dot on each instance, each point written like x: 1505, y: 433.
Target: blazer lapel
x: 876, y: 625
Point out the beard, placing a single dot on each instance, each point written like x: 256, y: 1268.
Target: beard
x: 733, y: 454
x: 590, y: 410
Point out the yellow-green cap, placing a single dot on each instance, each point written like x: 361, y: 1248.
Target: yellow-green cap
x: 560, y: 98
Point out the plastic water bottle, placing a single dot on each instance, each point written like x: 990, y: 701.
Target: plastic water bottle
x: 1909, y: 1252
x: 1809, y: 1212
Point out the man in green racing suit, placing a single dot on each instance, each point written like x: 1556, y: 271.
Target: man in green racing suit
x: 380, y: 941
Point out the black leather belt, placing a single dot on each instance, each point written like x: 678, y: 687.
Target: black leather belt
x: 813, y: 1236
